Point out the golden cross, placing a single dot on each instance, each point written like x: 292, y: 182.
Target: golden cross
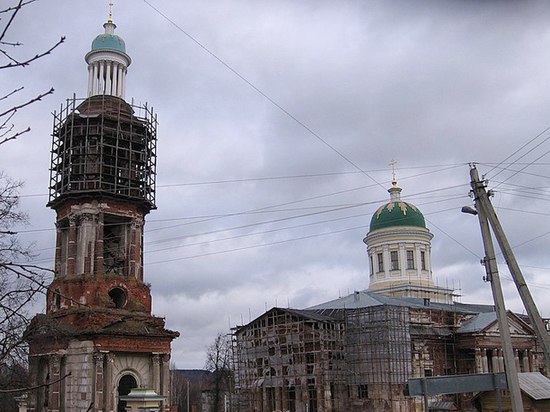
x: 392, y: 164
x: 110, y: 11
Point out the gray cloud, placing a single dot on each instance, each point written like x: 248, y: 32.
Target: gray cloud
x: 433, y: 84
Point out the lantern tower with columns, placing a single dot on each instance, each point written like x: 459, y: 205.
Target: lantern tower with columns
x: 399, y: 251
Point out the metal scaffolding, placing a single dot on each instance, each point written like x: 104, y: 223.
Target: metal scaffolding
x: 103, y: 144
x: 290, y: 360
x: 361, y: 359
x: 378, y: 348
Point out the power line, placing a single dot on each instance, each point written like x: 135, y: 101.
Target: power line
x: 518, y: 150
x: 264, y: 95
x: 255, y: 246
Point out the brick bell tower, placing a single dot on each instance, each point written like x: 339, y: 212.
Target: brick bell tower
x: 98, y: 339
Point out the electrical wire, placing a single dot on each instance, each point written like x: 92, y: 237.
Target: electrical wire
x: 264, y: 95
x: 518, y: 150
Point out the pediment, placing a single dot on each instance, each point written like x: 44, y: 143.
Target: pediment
x: 486, y: 323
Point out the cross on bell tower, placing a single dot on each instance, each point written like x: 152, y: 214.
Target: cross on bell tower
x: 98, y: 336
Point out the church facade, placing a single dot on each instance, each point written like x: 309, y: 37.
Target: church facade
x: 358, y: 352
x: 98, y: 338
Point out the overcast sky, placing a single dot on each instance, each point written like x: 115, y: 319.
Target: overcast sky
x: 278, y: 121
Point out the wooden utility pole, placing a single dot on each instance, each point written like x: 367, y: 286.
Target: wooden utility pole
x: 491, y: 269
x: 482, y: 198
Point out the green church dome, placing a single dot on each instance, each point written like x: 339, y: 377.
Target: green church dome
x: 397, y: 213
x: 107, y: 41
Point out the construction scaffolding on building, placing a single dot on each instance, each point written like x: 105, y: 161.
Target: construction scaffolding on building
x: 290, y: 360
x: 106, y: 145
x: 378, y: 351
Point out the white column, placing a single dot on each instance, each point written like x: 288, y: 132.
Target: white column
x: 108, y: 79
x: 403, y: 261
x: 526, y: 356
x: 120, y: 79
x: 114, y: 75
x: 478, y: 360
x: 123, y: 83
x: 156, y: 372
x: 418, y: 262
x: 101, y: 80
x: 94, y: 78
x: 90, y: 79
x: 387, y: 261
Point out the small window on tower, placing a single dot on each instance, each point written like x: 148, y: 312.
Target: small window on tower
x: 363, y: 391
x: 380, y: 262
x: 118, y: 296
x: 410, y: 259
x: 57, y: 298
x: 115, y: 245
x: 394, y: 260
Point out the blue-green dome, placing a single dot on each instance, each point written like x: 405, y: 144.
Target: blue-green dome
x: 397, y: 213
x: 107, y: 41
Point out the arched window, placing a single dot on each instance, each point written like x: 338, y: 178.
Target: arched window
x: 125, y: 385
x: 118, y: 296
x: 57, y: 298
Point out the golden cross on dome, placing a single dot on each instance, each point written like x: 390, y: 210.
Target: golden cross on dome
x: 110, y: 11
x: 394, y: 180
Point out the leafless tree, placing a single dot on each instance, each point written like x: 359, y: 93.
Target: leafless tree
x: 219, y: 362
x: 8, y: 110
x: 20, y: 282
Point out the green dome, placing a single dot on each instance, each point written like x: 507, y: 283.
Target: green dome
x: 397, y: 213
x: 107, y: 41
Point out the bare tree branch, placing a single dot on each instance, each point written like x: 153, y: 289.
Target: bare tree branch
x: 36, y: 99
x: 15, y: 10
x: 15, y: 136
x: 12, y: 18
x: 11, y: 93
x: 20, y: 5
x: 16, y: 63
x: 20, y: 283
x: 12, y: 111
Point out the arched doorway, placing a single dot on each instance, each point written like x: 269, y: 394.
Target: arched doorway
x: 125, y: 385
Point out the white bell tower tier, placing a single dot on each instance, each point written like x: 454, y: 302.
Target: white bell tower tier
x: 107, y: 64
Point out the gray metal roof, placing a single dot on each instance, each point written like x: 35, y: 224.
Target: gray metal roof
x: 335, y: 309
x: 303, y: 313
x: 478, y: 322
x: 359, y: 299
x: 368, y: 298
x: 535, y: 384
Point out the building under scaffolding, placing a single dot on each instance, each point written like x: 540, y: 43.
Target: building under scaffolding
x: 290, y: 360
x: 356, y: 353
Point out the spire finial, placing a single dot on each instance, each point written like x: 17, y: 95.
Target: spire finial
x: 110, y: 11
x: 394, y: 179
